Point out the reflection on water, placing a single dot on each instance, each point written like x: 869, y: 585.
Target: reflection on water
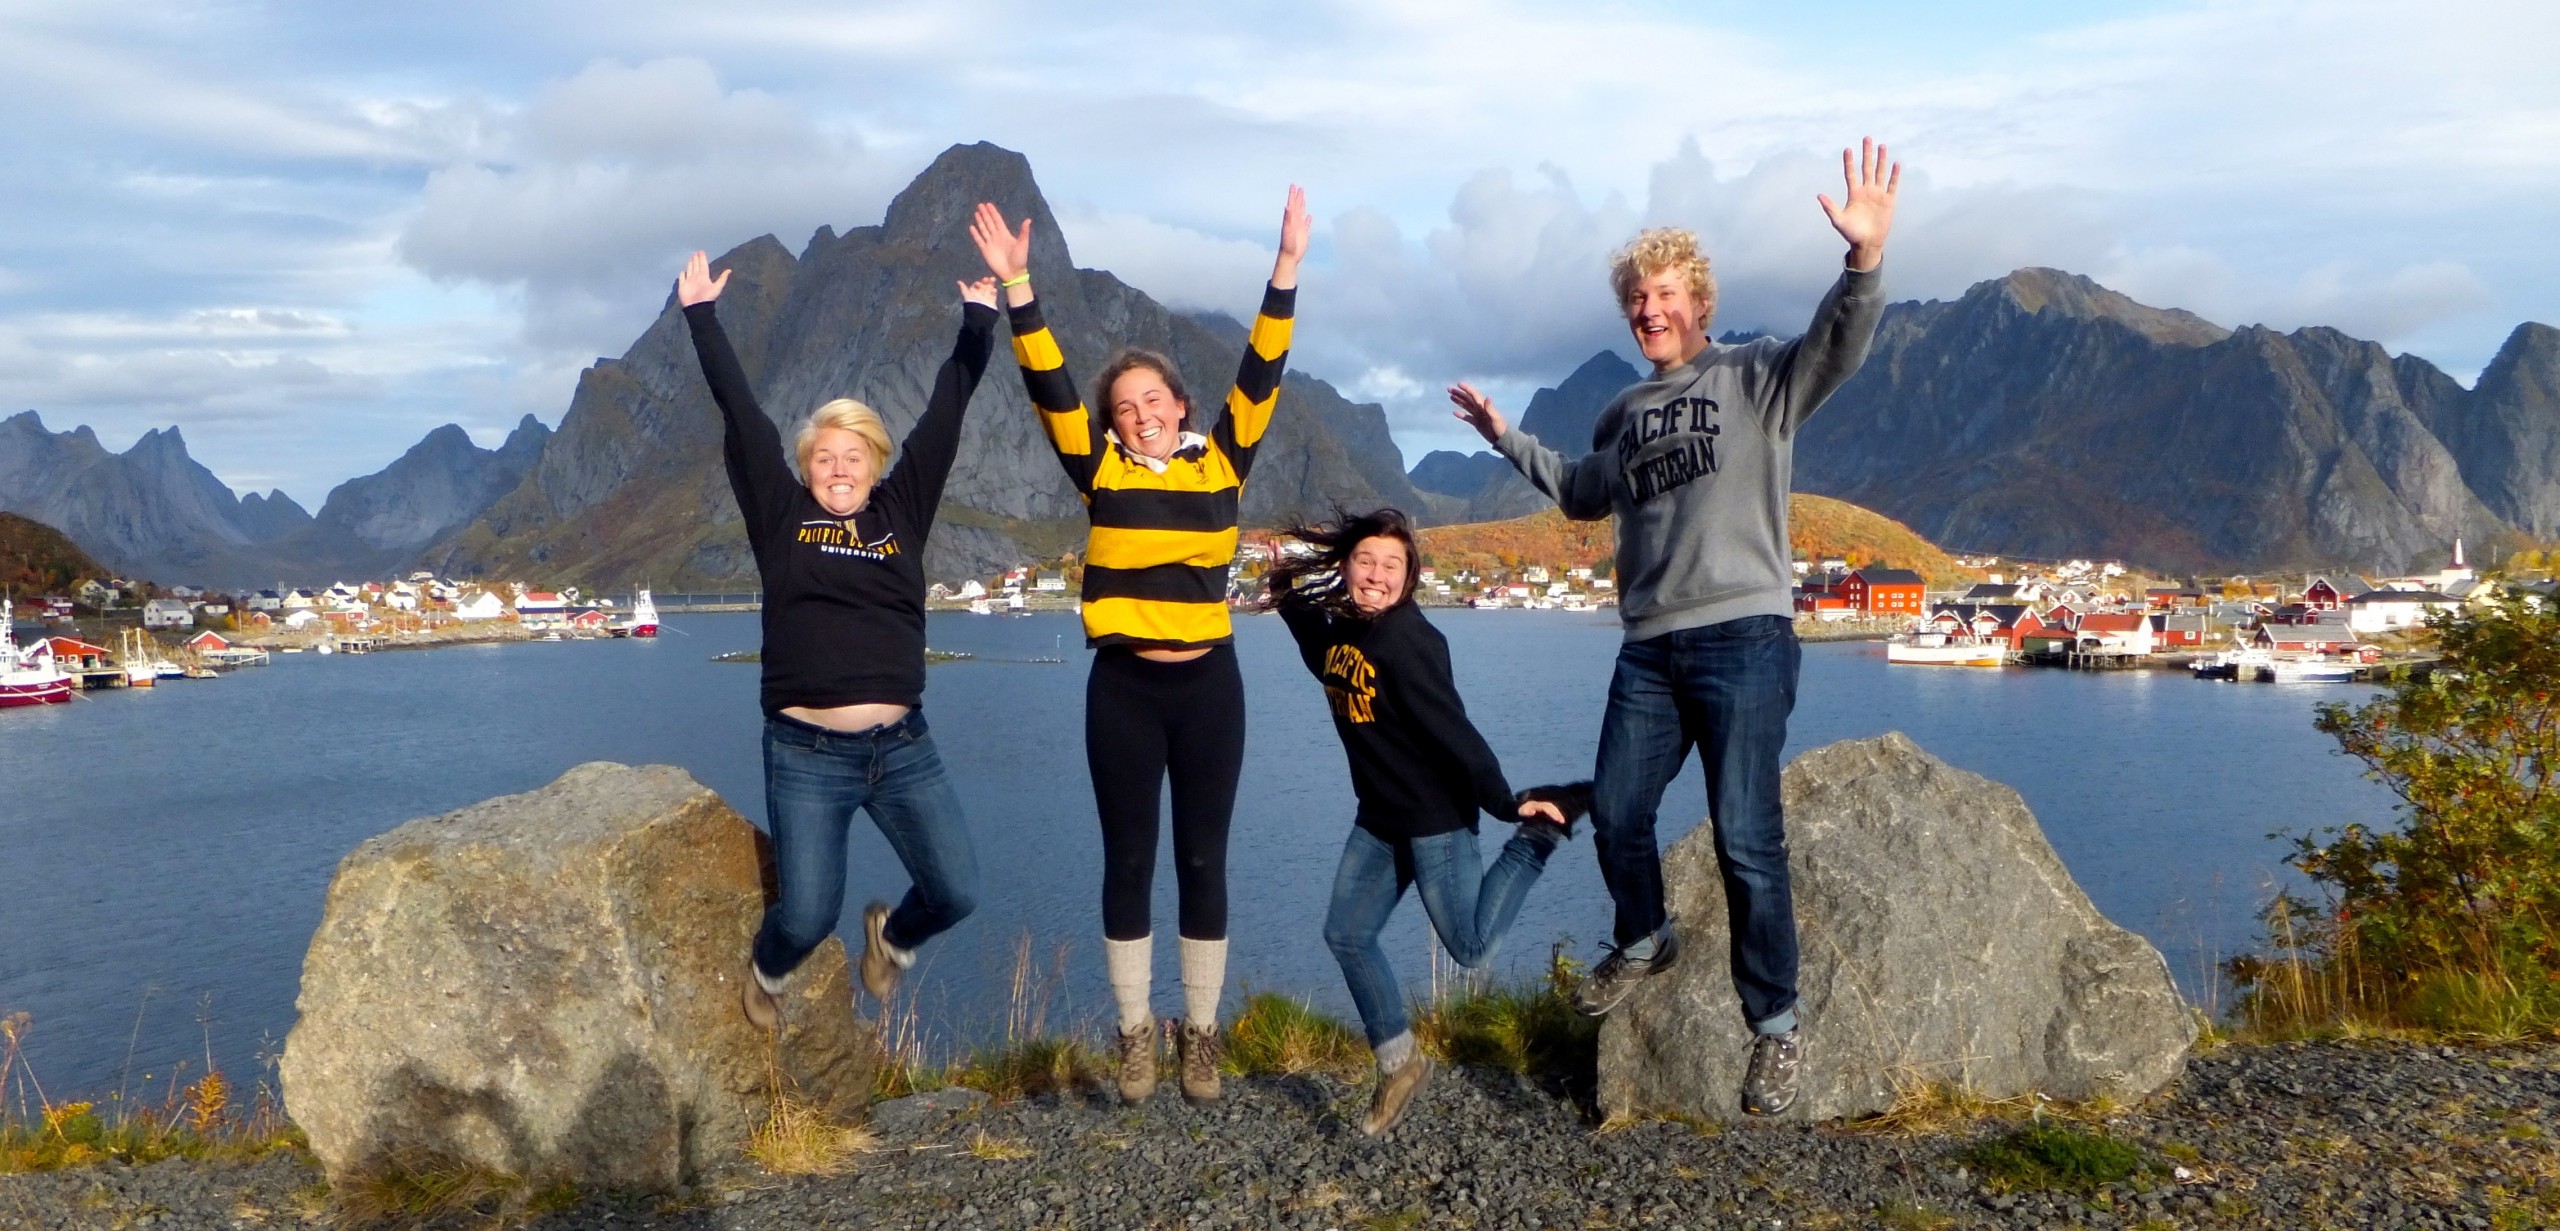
x: 166, y: 851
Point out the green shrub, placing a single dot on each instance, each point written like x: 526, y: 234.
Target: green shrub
x: 2444, y: 921
x: 2053, y: 1156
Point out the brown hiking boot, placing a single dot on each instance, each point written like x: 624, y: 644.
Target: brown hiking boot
x: 1395, y: 1093
x: 1199, y: 1051
x: 879, y: 970
x: 1138, y: 1062
x: 764, y: 1009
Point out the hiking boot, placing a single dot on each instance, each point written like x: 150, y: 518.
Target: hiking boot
x: 1138, y: 1062
x: 880, y: 966
x: 764, y: 1009
x: 1198, y: 1049
x: 1395, y: 1093
x: 1617, y: 975
x: 1770, y: 1085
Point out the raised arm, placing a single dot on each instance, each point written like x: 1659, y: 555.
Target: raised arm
x: 1579, y: 486
x: 924, y: 461
x: 1069, y: 427
x: 1803, y: 373
x: 749, y: 442
x: 1266, y: 353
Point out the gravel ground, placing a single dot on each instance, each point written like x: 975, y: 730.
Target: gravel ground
x: 2316, y: 1135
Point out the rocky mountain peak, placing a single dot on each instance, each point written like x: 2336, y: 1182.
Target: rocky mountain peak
x: 933, y: 212
x: 2038, y: 289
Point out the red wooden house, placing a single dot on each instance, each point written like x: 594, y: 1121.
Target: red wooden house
x: 1885, y: 592
x: 2321, y: 596
x: 207, y: 640
x: 73, y: 654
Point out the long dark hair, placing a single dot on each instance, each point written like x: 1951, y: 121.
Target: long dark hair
x: 1316, y: 580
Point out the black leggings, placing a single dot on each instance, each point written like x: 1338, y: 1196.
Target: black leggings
x: 1143, y: 718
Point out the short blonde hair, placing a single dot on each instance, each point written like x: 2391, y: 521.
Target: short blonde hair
x: 853, y: 417
x: 1659, y: 249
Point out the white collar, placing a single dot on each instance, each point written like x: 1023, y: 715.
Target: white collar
x: 1182, y: 444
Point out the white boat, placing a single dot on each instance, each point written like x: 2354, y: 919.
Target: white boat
x: 2310, y: 671
x: 28, y: 677
x: 980, y: 606
x: 1934, y: 649
x: 643, y: 620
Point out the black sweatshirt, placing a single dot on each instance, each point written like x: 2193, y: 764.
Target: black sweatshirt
x: 1417, y: 764
x: 843, y: 596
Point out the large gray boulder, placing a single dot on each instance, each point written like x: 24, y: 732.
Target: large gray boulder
x: 546, y: 985
x: 1943, y: 942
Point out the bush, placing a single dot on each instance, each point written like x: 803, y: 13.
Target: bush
x: 2054, y: 1156
x: 2445, y: 921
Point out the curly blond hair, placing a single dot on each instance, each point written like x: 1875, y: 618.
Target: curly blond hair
x: 1658, y: 249
x: 853, y: 417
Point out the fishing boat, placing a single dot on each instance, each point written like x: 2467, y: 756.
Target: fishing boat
x: 28, y: 677
x: 1936, y: 649
x: 2244, y: 664
x: 141, y: 668
x: 643, y: 620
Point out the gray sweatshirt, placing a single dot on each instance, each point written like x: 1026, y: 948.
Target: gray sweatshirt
x: 1695, y: 462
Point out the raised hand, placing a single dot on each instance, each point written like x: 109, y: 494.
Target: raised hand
x: 1867, y: 216
x: 1007, y: 252
x: 1295, y: 225
x: 696, y: 285
x: 1476, y: 411
x: 982, y: 292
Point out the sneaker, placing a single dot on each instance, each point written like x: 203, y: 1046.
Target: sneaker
x: 1138, y: 1062
x: 1198, y: 1049
x: 764, y: 1009
x: 1616, y: 976
x: 1770, y: 1085
x: 880, y: 965
x: 1396, y: 1093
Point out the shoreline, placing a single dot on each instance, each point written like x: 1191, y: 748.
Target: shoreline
x: 2258, y: 1135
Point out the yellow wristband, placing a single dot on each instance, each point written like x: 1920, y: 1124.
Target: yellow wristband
x: 1014, y: 281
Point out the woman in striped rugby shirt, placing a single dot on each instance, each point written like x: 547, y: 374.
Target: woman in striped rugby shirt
x: 1165, y: 698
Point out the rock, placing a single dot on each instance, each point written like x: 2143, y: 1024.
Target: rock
x: 907, y: 1115
x: 546, y: 985
x: 1942, y: 940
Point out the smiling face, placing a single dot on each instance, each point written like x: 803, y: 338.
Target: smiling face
x: 1146, y: 414
x: 1663, y: 314
x: 840, y: 470
x: 1378, y: 574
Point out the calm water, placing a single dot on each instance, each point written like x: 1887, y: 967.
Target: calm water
x: 164, y: 853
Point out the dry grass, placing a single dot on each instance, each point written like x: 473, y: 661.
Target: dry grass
x: 1029, y: 1062
x: 1279, y: 1035
x: 1531, y: 1030
x: 997, y: 1149
x: 2325, y: 986
x: 202, y: 1118
x: 799, y: 1139
x: 419, y: 1188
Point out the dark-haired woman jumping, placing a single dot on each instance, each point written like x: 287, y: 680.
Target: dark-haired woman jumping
x: 1421, y: 772
x: 1165, y: 698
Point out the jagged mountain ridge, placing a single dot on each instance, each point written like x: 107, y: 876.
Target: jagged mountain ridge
x: 631, y: 488
x: 155, y: 512
x: 2042, y: 415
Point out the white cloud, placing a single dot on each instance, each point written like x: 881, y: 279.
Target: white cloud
x: 589, y: 197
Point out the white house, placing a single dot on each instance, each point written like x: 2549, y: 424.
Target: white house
x: 299, y: 600
x: 2382, y: 611
x: 266, y: 600
x: 477, y: 604
x: 167, y: 613
x: 971, y: 589
x: 1051, y: 583
x: 303, y: 618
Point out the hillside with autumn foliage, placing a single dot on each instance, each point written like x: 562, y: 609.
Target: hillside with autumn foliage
x: 37, y: 559
x: 1822, y: 529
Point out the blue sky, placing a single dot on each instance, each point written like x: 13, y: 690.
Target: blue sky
x: 307, y: 234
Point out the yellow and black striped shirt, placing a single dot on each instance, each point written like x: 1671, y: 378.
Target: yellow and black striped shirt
x: 1155, y: 565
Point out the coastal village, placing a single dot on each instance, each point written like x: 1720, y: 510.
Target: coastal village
x: 1968, y: 611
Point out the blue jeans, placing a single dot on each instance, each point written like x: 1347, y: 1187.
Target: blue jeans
x: 1471, y: 907
x: 1726, y: 689
x: 814, y: 780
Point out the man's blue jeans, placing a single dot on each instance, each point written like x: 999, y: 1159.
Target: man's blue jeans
x: 814, y: 781
x: 1726, y: 689
x: 1471, y: 907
